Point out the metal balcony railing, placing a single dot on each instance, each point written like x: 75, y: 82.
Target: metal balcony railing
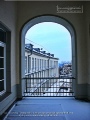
x: 48, y: 86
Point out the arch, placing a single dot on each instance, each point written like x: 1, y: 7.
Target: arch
x: 49, y: 18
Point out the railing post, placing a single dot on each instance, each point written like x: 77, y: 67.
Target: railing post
x: 26, y: 85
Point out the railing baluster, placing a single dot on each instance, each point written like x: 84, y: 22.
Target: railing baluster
x: 48, y: 86
x: 26, y: 85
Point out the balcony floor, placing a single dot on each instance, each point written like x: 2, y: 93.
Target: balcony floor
x: 50, y: 108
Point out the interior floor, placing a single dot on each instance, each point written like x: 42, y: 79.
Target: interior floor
x: 49, y: 108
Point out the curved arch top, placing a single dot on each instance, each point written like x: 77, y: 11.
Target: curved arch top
x: 48, y: 18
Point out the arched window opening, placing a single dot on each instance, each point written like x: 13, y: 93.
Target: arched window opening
x: 41, y: 53
x: 53, y: 39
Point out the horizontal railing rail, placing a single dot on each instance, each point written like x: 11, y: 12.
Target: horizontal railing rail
x: 47, y: 86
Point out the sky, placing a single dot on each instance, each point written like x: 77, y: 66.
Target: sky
x: 51, y: 37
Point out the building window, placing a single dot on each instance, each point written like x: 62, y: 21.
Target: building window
x: 25, y: 65
x: 47, y: 64
x: 5, y: 61
x: 54, y: 63
x: 35, y: 64
x: 50, y: 63
x: 29, y: 64
x: 44, y: 64
x: 40, y: 63
x: 2, y: 67
x: 32, y: 63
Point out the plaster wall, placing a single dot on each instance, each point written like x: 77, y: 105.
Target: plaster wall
x: 29, y: 10
x: 8, y: 18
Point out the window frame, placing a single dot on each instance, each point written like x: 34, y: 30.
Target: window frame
x: 2, y: 44
x: 5, y: 37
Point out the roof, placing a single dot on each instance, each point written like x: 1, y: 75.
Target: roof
x: 38, y: 51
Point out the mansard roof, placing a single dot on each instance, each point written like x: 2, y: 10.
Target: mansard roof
x: 38, y: 51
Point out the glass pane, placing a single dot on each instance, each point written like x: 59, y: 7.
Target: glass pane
x: 1, y: 85
x: 1, y: 62
x: 1, y: 74
x: 1, y: 51
x: 2, y: 36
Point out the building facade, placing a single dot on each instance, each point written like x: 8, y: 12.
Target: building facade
x: 39, y: 63
x: 65, y: 69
